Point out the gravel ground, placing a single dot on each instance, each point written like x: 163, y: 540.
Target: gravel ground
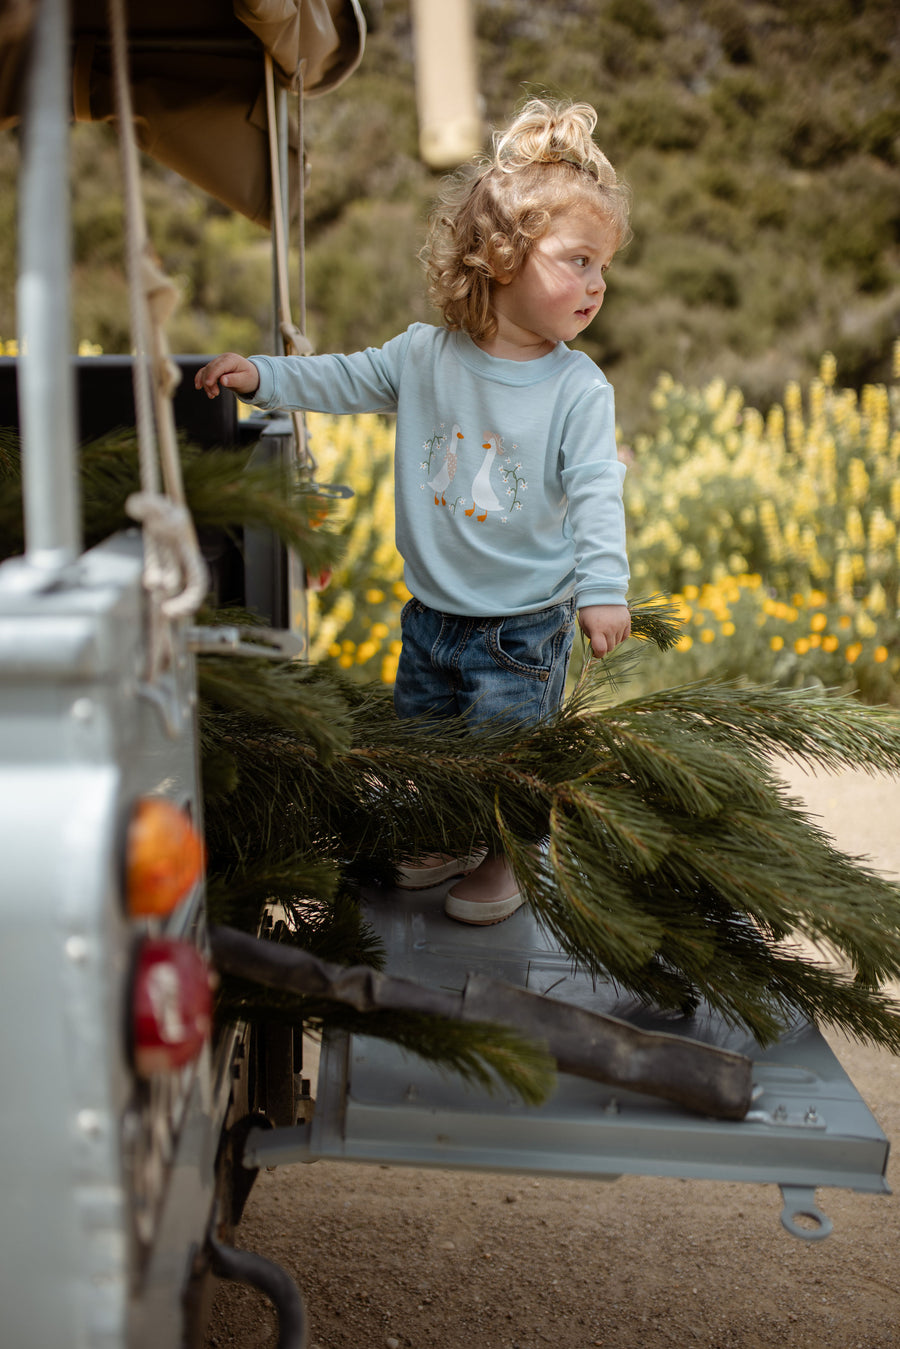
x: 401, y: 1258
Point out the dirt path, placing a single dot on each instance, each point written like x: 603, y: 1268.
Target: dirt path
x: 397, y: 1258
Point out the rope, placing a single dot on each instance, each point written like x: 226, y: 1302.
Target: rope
x: 135, y: 247
x: 175, y: 575
x: 296, y: 343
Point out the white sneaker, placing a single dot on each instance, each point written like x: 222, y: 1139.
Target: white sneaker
x: 485, y: 897
x: 482, y: 912
x: 434, y: 868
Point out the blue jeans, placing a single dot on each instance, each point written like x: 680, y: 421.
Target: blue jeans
x: 488, y: 669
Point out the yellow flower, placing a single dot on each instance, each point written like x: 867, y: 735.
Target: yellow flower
x: 801, y: 646
x: 853, y: 652
x: 776, y: 643
x: 374, y: 596
x: 843, y: 577
x: 880, y: 654
x: 728, y: 629
x: 793, y: 400
x: 876, y: 601
x: 882, y: 531
x: 818, y: 622
x: 684, y: 643
x: 707, y: 636
x: 380, y: 630
x: 830, y: 643
x: 857, y: 480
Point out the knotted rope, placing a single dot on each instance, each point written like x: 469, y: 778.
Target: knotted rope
x: 175, y: 575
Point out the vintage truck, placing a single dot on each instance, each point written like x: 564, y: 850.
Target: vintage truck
x: 129, y: 1131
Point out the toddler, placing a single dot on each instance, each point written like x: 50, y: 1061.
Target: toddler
x: 508, y: 488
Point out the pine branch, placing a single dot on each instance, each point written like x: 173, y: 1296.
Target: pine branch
x: 809, y: 726
x: 654, y: 618
x: 676, y: 865
x: 223, y: 490
x: 276, y: 694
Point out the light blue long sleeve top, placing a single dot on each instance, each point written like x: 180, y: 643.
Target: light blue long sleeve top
x: 508, y: 489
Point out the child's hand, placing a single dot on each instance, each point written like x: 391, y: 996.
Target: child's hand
x: 605, y: 625
x: 231, y: 371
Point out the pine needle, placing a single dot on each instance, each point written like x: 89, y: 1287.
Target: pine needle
x: 224, y: 490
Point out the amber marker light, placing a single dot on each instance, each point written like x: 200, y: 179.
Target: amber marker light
x: 164, y: 860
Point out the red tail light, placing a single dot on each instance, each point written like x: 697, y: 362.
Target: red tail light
x: 171, y: 1005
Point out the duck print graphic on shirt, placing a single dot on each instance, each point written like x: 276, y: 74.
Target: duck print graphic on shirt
x: 484, y: 498
x: 447, y: 471
x: 484, y: 501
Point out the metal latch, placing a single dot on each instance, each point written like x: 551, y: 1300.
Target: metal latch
x: 800, y: 1204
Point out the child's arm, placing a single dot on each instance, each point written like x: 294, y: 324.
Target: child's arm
x: 605, y: 625
x: 592, y: 478
x: 232, y: 372
x: 365, y: 381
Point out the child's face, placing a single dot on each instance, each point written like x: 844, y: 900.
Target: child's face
x: 560, y: 286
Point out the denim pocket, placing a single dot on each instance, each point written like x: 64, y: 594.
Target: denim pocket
x: 531, y: 645
x: 412, y: 606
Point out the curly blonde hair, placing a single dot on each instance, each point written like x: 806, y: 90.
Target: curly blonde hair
x: 490, y: 215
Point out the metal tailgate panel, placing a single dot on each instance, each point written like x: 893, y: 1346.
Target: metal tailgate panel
x: 808, y: 1127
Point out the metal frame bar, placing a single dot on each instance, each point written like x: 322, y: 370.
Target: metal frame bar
x: 46, y: 384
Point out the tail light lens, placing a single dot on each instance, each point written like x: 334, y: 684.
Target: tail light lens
x: 165, y: 858
x: 171, y: 1005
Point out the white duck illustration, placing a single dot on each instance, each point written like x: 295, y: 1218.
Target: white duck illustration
x: 484, y: 498
x: 445, y: 474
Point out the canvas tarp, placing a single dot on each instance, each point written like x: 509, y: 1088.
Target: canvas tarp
x: 197, y: 77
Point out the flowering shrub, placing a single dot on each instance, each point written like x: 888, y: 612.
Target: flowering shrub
x: 779, y: 536
x: 355, y: 620
x: 735, y: 628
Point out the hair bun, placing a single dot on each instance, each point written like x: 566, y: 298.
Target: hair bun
x: 546, y: 132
